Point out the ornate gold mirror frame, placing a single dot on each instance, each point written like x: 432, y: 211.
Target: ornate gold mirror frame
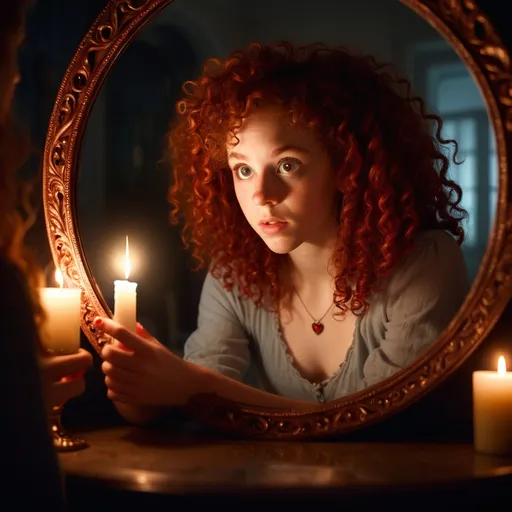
x: 473, y: 37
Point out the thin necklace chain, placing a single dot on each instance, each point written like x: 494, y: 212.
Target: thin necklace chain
x: 307, y: 310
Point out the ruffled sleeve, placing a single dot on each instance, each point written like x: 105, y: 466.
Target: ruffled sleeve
x: 220, y: 341
x: 421, y: 299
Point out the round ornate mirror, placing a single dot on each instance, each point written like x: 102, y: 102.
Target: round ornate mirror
x: 105, y: 177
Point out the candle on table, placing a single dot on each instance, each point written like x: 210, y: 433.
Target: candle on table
x: 125, y: 297
x: 492, y: 410
x: 61, y: 329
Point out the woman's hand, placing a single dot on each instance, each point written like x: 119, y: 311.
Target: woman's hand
x: 63, y: 376
x: 141, y: 371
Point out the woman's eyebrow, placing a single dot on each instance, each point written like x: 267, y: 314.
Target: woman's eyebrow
x: 289, y: 147
x: 276, y: 152
x: 236, y: 155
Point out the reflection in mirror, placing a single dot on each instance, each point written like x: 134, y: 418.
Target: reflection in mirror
x: 305, y: 351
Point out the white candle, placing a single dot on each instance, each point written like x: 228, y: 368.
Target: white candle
x: 125, y: 297
x: 492, y: 410
x: 61, y: 329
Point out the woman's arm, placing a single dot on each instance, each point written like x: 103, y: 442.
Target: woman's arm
x: 210, y: 381
x: 216, y: 355
x: 422, y: 298
x: 145, y: 380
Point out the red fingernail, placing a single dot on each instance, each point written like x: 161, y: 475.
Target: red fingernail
x: 73, y: 376
x: 98, y: 321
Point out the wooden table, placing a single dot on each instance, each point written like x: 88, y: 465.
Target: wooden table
x: 183, y: 465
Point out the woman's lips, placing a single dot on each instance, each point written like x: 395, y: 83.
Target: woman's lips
x: 272, y: 227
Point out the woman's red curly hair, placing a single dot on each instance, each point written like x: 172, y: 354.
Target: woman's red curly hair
x: 391, y: 172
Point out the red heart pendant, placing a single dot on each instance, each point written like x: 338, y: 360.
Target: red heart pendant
x: 318, y: 327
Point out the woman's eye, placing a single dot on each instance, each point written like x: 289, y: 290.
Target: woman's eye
x: 288, y: 166
x: 243, y: 172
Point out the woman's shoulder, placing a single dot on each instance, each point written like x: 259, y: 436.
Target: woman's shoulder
x: 215, y: 289
x: 12, y: 279
x: 214, y: 285
x: 16, y: 310
x: 438, y: 238
x: 218, y: 302
x: 436, y: 250
x: 15, y: 294
x: 436, y: 261
x: 6, y: 266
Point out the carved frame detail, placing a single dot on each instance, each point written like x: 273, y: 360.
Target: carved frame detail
x: 472, y: 35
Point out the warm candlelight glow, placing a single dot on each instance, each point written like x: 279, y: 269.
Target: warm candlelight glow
x: 125, y: 296
x: 127, y: 267
x: 59, y: 278
x: 126, y: 259
x: 61, y: 330
x: 502, y: 366
x: 492, y: 410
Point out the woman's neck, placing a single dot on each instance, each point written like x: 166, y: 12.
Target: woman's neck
x: 310, y: 267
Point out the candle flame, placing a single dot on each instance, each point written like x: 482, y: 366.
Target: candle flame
x: 502, y: 366
x: 59, y: 278
x: 127, y: 267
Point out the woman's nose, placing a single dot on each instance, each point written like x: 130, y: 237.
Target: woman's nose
x: 267, y: 191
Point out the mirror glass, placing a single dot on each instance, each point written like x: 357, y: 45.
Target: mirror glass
x: 124, y: 175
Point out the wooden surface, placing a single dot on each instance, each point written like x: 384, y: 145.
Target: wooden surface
x: 184, y: 461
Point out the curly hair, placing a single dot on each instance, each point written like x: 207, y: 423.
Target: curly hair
x: 16, y: 212
x: 391, y: 172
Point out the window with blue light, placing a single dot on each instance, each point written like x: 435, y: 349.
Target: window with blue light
x: 451, y: 92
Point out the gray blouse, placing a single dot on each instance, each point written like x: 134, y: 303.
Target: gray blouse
x: 416, y: 303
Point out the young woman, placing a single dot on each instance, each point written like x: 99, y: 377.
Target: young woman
x: 316, y: 192
x: 31, y: 381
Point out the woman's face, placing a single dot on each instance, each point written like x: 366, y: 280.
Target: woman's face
x: 284, y: 181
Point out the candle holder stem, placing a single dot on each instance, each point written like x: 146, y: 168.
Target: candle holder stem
x: 62, y: 441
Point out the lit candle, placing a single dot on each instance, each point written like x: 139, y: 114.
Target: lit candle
x: 125, y: 297
x: 61, y: 329
x: 492, y: 410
